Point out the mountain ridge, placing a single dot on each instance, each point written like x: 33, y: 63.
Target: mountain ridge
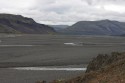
x: 10, y: 23
x: 101, y: 27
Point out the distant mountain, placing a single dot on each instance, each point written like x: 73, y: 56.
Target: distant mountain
x: 18, y: 24
x: 103, y: 27
x: 59, y: 27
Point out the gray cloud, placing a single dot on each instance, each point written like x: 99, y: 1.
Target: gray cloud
x: 65, y: 11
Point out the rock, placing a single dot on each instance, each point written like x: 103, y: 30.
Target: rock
x: 103, y: 60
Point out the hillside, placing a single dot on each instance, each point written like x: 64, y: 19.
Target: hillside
x: 102, y: 27
x: 18, y: 24
x: 102, y: 69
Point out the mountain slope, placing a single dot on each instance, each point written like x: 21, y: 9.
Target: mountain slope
x: 103, y: 27
x: 18, y: 24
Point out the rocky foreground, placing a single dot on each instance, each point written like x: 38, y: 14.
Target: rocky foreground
x: 102, y: 69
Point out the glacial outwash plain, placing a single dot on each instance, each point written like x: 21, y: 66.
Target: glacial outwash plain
x: 35, y: 50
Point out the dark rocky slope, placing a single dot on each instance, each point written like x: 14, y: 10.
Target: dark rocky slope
x: 102, y: 27
x: 18, y: 24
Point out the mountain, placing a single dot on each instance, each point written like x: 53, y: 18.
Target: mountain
x: 102, y: 27
x: 58, y: 28
x: 18, y: 24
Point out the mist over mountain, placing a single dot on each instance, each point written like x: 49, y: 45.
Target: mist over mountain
x: 102, y: 27
x: 18, y: 24
x: 59, y: 27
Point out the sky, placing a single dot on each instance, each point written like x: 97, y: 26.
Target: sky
x: 67, y: 12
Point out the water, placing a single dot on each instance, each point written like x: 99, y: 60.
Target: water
x: 33, y: 74
x: 16, y: 45
x: 49, y: 69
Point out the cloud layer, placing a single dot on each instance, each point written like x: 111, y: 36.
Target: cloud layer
x: 65, y: 11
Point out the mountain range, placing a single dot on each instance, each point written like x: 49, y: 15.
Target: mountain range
x: 10, y: 23
x: 18, y: 24
x: 102, y: 27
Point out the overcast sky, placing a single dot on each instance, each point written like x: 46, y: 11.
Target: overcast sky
x: 65, y: 11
